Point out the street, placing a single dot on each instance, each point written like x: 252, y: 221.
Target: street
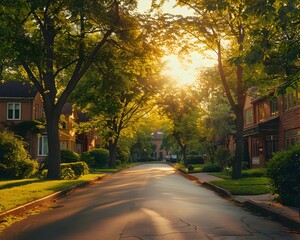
x: 146, y: 202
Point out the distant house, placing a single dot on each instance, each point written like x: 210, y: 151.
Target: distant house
x: 67, y: 134
x: 86, y: 141
x: 270, y: 124
x: 157, y: 139
x: 21, y: 105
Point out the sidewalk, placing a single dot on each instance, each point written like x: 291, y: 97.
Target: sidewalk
x: 288, y: 216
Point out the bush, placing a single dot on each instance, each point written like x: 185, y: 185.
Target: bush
x: 96, y: 158
x: 88, y: 159
x: 223, y: 156
x: 194, y: 159
x: 73, y: 170
x: 68, y: 156
x: 283, y: 170
x: 67, y: 174
x: 255, y: 172
x: 15, y: 162
x: 211, y: 168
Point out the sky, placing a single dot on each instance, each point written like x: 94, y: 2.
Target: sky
x: 185, y: 71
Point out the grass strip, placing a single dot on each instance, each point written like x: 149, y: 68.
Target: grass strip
x: 245, y: 186
x: 14, y: 193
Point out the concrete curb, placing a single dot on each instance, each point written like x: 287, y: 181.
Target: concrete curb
x: 264, y: 209
x: 39, y: 202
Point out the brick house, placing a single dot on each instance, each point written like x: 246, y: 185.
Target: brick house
x: 21, y: 103
x: 86, y: 141
x: 157, y: 139
x: 271, y: 124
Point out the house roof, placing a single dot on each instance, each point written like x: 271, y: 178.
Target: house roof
x: 17, y: 89
x: 67, y: 109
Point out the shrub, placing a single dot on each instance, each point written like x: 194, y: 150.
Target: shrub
x: 118, y: 162
x: 78, y: 169
x: 194, y: 159
x: 68, y: 156
x: 211, y: 167
x: 283, y: 170
x: 67, y: 174
x: 255, y: 172
x: 96, y: 158
x: 15, y: 162
x: 223, y: 156
x: 88, y: 159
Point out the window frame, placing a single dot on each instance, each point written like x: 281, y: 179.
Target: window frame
x: 274, y: 107
x: 13, y: 111
x: 248, y: 115
x: 291, y: 100
x: 261, y: 114
x: 42, y: 142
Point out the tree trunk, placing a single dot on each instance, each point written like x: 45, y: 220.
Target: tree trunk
x: 237, y: 161
x: 112, y: 148
x: 238, y: 108
x: 183, y: 149
x: 54, y: 157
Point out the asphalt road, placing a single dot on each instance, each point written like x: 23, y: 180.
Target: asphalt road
x: 147, y: 202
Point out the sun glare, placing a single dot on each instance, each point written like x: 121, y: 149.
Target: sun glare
x: 184, y: 70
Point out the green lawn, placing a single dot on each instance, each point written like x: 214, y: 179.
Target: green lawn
x: 245, y: 186
x: 14, y: 193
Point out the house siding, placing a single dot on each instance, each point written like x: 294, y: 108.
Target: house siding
x: 269, y: 134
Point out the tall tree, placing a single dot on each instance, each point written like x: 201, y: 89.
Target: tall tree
x: 53, y: 43
x: 181, y: 108
x: 276, y: 41
x: 119, y: 90
x: 221, y: 27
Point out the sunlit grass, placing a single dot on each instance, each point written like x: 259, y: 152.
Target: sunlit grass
x: 14, y: 193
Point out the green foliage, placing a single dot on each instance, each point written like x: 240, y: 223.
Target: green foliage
x: 96, y: 158
x: 211, y: 168
x: 67, y: 174
x: 88, y: 159
x: 68, y: 156
x: 223, y: 157
x: 118, y: 162
x: 22, y: 128
x: 283, y: 170
x: 73, y: 170
x: 15, y: 162
x: 194, y: 159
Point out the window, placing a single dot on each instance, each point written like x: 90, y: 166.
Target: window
x: 43, y: 145
x: 292, y: 138
x: 260, y: 112
x: 291, y: 99
x: 63, y: 145
x: 248, y: 116
x: 272, y: 145
x: 274, y: 107
x: 13, y: 111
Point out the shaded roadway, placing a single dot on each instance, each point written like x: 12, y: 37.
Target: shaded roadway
x: 149, y: 201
